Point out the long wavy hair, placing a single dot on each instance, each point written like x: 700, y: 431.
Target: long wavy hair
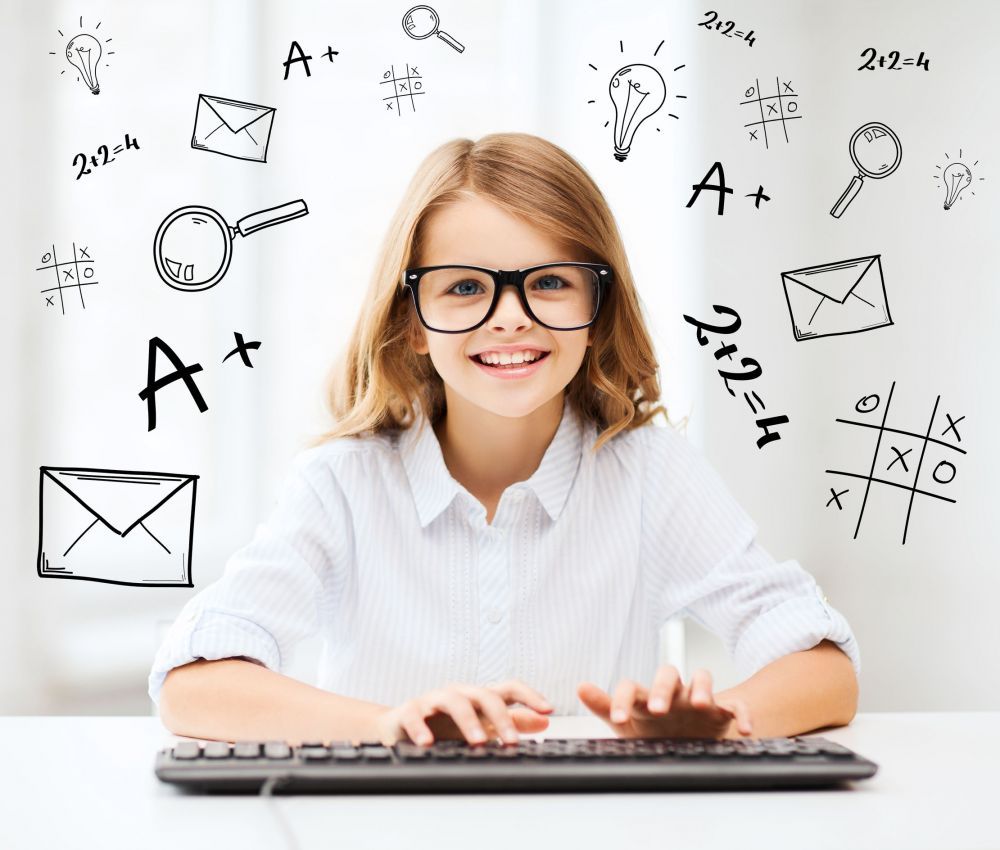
x: 373, y: 384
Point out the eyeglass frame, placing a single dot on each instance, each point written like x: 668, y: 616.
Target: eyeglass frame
x: 502, y: 278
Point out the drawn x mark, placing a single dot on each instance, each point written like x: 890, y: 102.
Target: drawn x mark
x: 836, y: 498
x: 900, y: 458
x: 242, y: 348
x: 951, y: 427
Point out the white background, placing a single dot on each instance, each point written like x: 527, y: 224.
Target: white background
x: 924, y: 613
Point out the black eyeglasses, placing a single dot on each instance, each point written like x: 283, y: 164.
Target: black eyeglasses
x: 559, y: 296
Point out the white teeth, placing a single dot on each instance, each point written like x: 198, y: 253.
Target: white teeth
x: 505, y: 358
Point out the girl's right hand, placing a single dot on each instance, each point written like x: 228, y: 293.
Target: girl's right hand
x: 458, y: 711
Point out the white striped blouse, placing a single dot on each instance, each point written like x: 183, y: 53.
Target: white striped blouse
x: 374, y: 546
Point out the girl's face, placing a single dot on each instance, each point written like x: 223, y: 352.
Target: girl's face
x: 475, y: 231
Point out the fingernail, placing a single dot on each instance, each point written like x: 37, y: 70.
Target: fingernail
x: 618, y: 715
x: 424, y: 739
x: 657, y: 704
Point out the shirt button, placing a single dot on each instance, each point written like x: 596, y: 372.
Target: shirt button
x: 494, y: 615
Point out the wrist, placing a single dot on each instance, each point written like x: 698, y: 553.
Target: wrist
x: 371, y: 727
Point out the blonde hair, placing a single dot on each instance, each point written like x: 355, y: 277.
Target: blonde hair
x: 375, y: 381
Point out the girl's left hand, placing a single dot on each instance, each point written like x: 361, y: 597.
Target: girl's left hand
x: 687, y: 711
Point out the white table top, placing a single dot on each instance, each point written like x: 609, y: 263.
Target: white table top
x: 62, y: 786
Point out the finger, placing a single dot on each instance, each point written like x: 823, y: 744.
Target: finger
x: 742, y: 714
x: 517, y: 691
x: 458, y: 707
x: 415, y: 727
x: 626, y: 694
x: 494, y: 707
x: 595, y: 699
x: 665, y: 685
x: 701, y: 688
x: 527, y: 720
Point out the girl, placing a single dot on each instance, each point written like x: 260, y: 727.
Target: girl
x: 495, y: 519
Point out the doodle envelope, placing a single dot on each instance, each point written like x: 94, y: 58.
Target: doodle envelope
x: 232, y: 128
x: 118, y: 527
x: 837, y: 298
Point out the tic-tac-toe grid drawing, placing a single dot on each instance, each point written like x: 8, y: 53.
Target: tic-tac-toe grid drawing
x: 900, y: 453
x: 70, y: 274
x: 781, y: 107
x: 405, y: 87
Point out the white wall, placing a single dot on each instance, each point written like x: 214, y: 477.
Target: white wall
x: 921, y: 611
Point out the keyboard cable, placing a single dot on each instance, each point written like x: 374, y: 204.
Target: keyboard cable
x: 266, y: 791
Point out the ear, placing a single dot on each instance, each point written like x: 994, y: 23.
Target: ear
x: 418, y: 337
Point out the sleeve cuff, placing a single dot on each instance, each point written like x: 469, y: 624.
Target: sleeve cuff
x: 211, y: 635
x: 795, y: 625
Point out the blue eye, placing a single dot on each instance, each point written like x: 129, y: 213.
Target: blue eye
x: 464, y: 283
x: 550, y: 278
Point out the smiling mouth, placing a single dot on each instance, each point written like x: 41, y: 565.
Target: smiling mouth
x: 521, y: 365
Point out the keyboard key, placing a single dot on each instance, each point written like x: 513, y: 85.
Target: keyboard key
x: 833, y: 749
x: 314, y: 753
x: 246, y: 749
x: 277, y: 750
x: 187, y: 750
x: 346, y: 753
x: 376, y: 753
x: 412, y: 752
x: 217, y: 750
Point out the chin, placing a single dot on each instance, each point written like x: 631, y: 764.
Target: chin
x: 514, y: 404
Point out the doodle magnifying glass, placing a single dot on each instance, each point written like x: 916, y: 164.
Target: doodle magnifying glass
x: 876, y: 152
x: 422, y: 22
x: 194, y: 245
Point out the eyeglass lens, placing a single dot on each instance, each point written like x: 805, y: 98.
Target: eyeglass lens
x: 453, y: 299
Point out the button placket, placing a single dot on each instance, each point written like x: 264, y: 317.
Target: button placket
x: 494, y: 593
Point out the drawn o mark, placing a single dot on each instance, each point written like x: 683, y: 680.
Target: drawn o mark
x: 749, y: 92
x: 792, y: 106
x: 934, y: 474
x: 861, y: 407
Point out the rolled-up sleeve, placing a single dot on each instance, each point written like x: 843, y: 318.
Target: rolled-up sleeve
x: 710, y: 567
x: 274, y: 591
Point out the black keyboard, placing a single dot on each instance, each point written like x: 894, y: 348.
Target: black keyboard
x: 553, y: 764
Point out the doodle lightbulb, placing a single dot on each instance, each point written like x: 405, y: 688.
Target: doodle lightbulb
x: 84, y: 52
x: 637, y: 91
x: 956, y: 177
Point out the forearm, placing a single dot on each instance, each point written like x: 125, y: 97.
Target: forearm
x: 232, y: 699
x: 799, y: 693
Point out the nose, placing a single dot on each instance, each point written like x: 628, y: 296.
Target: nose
x: 509, y: 311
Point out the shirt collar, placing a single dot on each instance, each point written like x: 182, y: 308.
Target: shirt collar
x: 434, y: 488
